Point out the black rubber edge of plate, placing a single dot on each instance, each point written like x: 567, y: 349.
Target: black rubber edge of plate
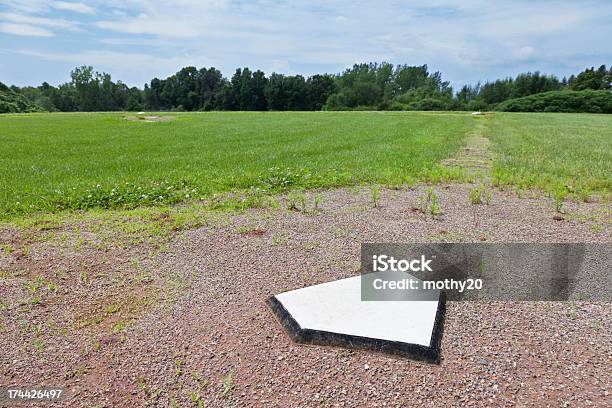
x: 417, y: 352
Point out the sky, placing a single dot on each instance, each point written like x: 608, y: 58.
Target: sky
x: 137, y: 40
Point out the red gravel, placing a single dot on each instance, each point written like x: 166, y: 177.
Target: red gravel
x: 182, y: 349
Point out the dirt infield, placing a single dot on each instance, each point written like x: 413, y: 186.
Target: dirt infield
x: 169, y: 325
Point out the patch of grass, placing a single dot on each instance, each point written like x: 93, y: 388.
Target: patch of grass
x: 292, y: 202
x: 434, y: 208
x: 480, y: 195
x: 303, y: 205
x: 25, y: 251
x: 228, y: 385
x: 34, y: 284
x: 120, y: 228
x: 553, y: 151
x: 316, y: 202
x: 38, y: 344
x: 309, y: 246
x: 112, y: 308
x: 445, y: 174
x: 141, y: 384
x: 178, y: 364
x: 297, y: 201
x: 282, y: 179
x: 374, y: 196
x: 300, y: 201
x: 115, y: 311
x: 119, y: 326
x: 203, y: 383
x: 74, y: 161
x: 475, y: 196
x: 559, y: 196
x: 195, y: 398
x: 250, y: 231
x: 596, y: 228
x: 428, y: 203
x: 277, y: 239
x: 52, y: 286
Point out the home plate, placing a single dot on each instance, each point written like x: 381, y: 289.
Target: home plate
x: 333, y: 314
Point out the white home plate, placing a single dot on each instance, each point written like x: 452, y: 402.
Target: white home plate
x: 333, y: 313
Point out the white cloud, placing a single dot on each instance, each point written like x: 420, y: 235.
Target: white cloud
x: 74, y: 7
x: 25, y: 30
x: 27, y: 6
x: 523, y: 52
x: 534, y: 20
x: 38, y: 21
x: 172, y: 19
x: 106, y: 58
x: 135, y: 41
x: 466, y: 40
x: 146, y: 24
x: 280, y: 66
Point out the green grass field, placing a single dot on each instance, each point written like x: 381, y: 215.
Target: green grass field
x: 77, y: 161
x: 558, y: 153
x: 52, y: 162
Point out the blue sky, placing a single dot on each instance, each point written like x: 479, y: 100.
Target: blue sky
x: 136, y: 40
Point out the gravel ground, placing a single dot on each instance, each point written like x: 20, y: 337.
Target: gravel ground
x: 216, y: 342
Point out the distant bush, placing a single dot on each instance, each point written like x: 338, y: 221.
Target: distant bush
x: 397, y: 106
x: 13, y: 102
x: 432, y: 104
x: 428, y: 104
x: 385, y: 105
x: 588, y: 101
x: 365, y: 108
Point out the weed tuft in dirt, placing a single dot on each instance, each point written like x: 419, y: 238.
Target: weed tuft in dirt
x: 375, y: 196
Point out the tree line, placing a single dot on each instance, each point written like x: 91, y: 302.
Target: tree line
x: 367, y: 86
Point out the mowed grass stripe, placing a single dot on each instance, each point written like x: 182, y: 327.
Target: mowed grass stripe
x: 91, y: 160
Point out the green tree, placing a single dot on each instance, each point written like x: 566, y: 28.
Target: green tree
x: 592, y: 79
x: 86, y: 86
x: 286, y: 92
x: 319, y: 88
